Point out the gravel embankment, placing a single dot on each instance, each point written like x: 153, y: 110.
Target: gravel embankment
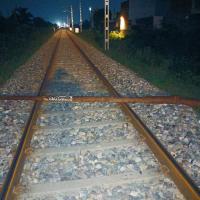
x: 177, y: 126
x: 14, y: 114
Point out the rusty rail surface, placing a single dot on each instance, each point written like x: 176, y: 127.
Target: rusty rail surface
x: 182, y: 180
x: 9, y: 189
x: 106, y: 99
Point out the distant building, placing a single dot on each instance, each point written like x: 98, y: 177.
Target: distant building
x: 152, y: 13
x: 149, y: 13
x: 195, y: 7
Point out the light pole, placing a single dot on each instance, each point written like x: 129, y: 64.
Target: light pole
x: 81, y: 19
x: 68, y: 23
x: 68, y: 20
x: 72, y: 18
x: 90, y: 10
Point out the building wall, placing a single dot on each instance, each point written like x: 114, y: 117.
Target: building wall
x: 162, y: 7
x: 179, y: 11
x: 172, y: 11
x: 139, y: 9
x: 195, y: 6
x: 125, y: 11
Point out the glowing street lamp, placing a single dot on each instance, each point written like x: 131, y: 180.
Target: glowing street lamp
x: 122, y: 24
x: 58, y: 24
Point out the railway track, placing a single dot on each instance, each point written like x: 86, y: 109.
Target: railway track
x: 89, y: 150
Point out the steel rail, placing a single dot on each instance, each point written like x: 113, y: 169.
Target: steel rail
x: 92, y: 99
x: 182, y: 180
x: 9, y: 191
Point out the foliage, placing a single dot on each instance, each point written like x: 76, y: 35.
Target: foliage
x: 21, y: 16
x: 86, y: 24
x: 116, y: 35
x: 157, y: 55
x: 20, y: 35
x: 39, y: 22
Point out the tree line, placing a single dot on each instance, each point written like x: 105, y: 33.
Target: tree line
x: 21, y: 17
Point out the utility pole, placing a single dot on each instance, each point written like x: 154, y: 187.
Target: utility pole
x: 81, y: 19
x: 72, y: 18
x: 68, y: 19
x: 68, y: 23
x: 106, y: 23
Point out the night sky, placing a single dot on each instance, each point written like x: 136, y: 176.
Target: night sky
x: 52, y: 10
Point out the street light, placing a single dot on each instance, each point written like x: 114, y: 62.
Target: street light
x: 58, y: 24
x: 91, y: 18
x: 72, y: 17
x: 81, y: 18
x: 122, y: 24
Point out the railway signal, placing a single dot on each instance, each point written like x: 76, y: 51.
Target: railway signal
x: 106, y: 23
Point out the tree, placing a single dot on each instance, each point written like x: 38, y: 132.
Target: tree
x: 86, y: 24
x: 39, y: 22
x: 1, y: 16
x: 21, y: 16
x: 2, y: 22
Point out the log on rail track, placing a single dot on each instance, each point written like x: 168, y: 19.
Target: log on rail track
x: 92, y: 99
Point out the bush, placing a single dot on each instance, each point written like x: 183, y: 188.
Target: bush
x: 116, y: 35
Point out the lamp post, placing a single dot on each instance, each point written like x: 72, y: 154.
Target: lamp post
x: 81, y: 19
x: 72, y: 18
x: 90, y: 10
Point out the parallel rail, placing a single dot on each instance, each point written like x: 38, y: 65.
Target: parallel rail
x: 177, y: 174
x: 9, y: 187
x: 168, y: 163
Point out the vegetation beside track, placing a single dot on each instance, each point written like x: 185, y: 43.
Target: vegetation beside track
x: 20, y: 36
x: 167, y: 58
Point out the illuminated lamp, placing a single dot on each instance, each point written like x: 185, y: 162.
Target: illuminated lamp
x: 122, y: 24
x: 77, y: 30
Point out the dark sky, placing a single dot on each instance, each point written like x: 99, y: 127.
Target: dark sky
x: 52, y: 10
